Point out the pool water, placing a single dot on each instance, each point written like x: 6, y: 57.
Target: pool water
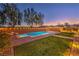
x: 23, y: 35
x: 33, y: 34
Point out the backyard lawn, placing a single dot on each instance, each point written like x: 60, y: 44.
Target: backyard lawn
x: 67, y: 34
x: 49, y: 46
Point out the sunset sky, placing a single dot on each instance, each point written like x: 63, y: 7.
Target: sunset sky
x: 55, y: 13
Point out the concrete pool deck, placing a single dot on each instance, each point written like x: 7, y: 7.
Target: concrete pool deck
x: 18, y: 41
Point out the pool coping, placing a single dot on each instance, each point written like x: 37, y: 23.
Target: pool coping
x: 27, y: 35
x: 17, y: 42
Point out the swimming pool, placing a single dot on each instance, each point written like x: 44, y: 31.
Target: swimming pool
x: 33, y: 34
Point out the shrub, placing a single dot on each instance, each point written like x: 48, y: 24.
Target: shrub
x: 4, y: 39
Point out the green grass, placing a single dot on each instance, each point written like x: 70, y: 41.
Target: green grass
x: 49, y: 46
x: 67, y: 34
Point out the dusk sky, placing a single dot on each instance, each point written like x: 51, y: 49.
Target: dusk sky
x: 55, y: 13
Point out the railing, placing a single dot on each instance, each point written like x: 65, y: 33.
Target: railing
x: 22, y: 29
x: 26, y: 29
x: 29, y: 29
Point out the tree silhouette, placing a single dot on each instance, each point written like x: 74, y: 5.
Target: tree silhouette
x: 31, y: 17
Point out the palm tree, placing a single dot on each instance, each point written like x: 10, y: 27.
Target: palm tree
x: 28, y: 17
x: 12, y: 12
x: 39, y: 19
x: 19, y: 18
x: 2, y: 18
x: 31, y: 17
x: 13, y: 15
